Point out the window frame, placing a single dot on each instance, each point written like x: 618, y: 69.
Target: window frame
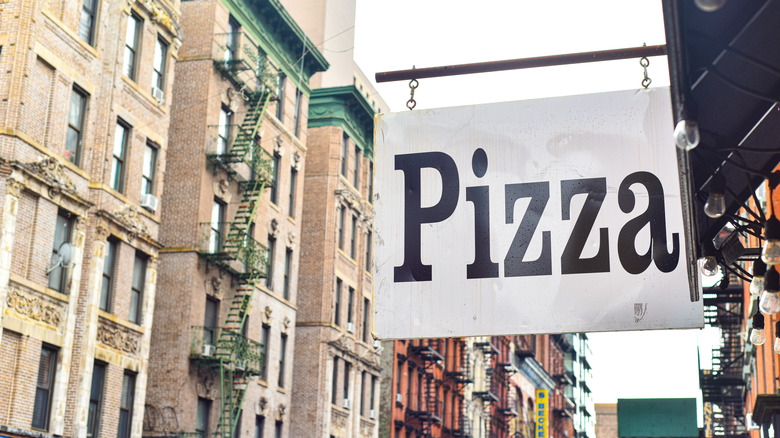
x: 369, y: 244
x: 75, y: 158
x: 61, y: 272
x: 353, y: 243
x: 46, y: 391
x: 276, y: 162
x: 342, y: 213
x: 204, y: 406
x: 126, y: 401
x: 366, y: 315
x: 334, y: 387
x: 270, y: 250
x: 158, y: 75
x: 265, y: 337
x: 350, y: 305
x: 344, y: 149
x: 96, y: 400
x: 109, y: 272
x: 347, y: 370
x: 217, y: 228
x: 137, y: 290
x: 287, y: 273
x: 356, y: 172
x: 297, y: 120
x: 148, y: 181
x: 281, y: 82
x: 337, y: 303
x: 118, y: 168
x: 259, y: 426
x: 131, y: 71
x: 293, y: 184
x: 282, y: 357
x: 92, y: 14
x: 223, y: 130
x: 370, y: 181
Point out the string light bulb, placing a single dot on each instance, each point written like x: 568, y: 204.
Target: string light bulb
x: 709, y: 266
x: 769, y: 304
x: 709, y: 5
x: 771, y: 252
x: 757, y: 335
x: 777, y: 337
x: 686, y: 134
x: 715, y: 206
x: 757, y: 284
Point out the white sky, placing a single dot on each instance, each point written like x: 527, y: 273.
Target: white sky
x: 395, y: 35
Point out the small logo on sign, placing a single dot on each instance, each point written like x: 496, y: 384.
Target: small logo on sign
x: 639, y: 311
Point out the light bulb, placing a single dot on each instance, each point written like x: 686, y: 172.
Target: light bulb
x: 710, y: 5
x: 686, y: 134
x: 769, y: 304
x: 709, y: 266
x: 757, y: 336
x: 715, y: 205
x: 777, y: 345
x: 756, y: 285
x: 771, y: 252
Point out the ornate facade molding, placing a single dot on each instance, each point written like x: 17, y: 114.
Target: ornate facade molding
x: 266, y: 316
x: 286, y: 323
x: 261, y: 406
x: 281, y: 412
x: 273, y: 228
x: 131, y: 218
x: 34, y: 307
x: 52, y: 173
x: 345, y: 344
x: 291, y: 239
x: 161, y: 15
x: 278, y: 147
x: 118, y: 338
x: 297, y: 160
x: 14, y: 185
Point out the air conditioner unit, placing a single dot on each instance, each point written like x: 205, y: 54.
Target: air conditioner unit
x: 158, y: 95
x: 347, y: 403
x: 750, y: 424
x: 372, y: 414
x: 149, y: 202
x: 208, y: 350
x: 351, y: 327
x: 399, y: 398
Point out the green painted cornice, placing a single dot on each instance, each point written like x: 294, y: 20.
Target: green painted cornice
x: 346, y: 108
x: 280, y: 37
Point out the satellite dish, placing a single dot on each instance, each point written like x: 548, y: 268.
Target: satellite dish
x: 62, y: 258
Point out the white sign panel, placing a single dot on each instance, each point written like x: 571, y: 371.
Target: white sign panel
x: 541, y: 216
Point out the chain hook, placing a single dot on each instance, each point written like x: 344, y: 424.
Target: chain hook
x: 644, y: 62
x: 411, y: 103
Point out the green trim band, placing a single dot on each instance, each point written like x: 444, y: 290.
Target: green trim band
x: 346, y: 108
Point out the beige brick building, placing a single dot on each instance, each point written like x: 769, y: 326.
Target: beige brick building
x: 222, y: 345
x: 83, y: 138
x: 337, y: 363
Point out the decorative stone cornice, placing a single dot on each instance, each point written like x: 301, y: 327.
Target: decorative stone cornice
x: 161, y: 15
x: 118, y: 338
x: 52, y: 173
x: 346, y: 108
x: 130, y: 218
x: 14, y: 185
x: 34, y: 308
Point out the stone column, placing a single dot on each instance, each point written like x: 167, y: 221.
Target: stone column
x: 150, y: 286
x: 89, y: 338
x: 60, y: 395
x: 13, y: 191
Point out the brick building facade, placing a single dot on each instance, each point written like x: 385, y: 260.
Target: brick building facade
x: 225, y: 325
x: 83, y: 143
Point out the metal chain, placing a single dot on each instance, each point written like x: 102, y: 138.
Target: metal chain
x: 644, y: 62
x: 411, y: 103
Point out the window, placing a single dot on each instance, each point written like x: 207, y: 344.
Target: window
x: 275, y: 175
x: 118, y: 162
x: 369, y: 243
x: 293, y: 180
x: 107, y: 285
x: 344, y: 141
x: 231, y: 43
x: 280, y: 83
x: 223, y: 130
x: 278, y: 429
x: 287, y: 273
x: 356, y: 175
x: 96, y: 399
x: 282, y: 354
x: 269, y: 283
x: 74, y: 137
x: 341, y: 227
x: 298, y: 102
x: 353, y: 238
x: 350, y: 301
x: 137, y: 288
x: 149, y: 169
x: 408, y: 385
x: 259, y: 426
x: 158, y: 64
x: 210, y: 321
x: 337, y: 307
x: 444, y: 407
x: 334, y: 398
x: 202, y: 423
x: 58, y: 277
x: 217, y: 226
x: 126, y: 405
x: 264, y: 336
x: 373, y: 392
x: 346, y: 380
x: 131, y: 46
x: 419, y: 391
x: 399, y: 373
x: 44, y: 387
x: 87, y: 21
x: 366, y: 314
x: 371, y: 182
x: 237, y: 430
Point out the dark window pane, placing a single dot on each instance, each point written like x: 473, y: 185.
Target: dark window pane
x: 44, y: 386
x: 106, y: 287
x: 96, y: 400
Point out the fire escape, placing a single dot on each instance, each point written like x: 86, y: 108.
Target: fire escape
x: 427, y: 353
x: 462, y: 377
x: 724, y: 384
x: 229, y: 246
x: 488, y: 393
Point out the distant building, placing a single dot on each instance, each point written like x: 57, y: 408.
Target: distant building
x: 606, y: 420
